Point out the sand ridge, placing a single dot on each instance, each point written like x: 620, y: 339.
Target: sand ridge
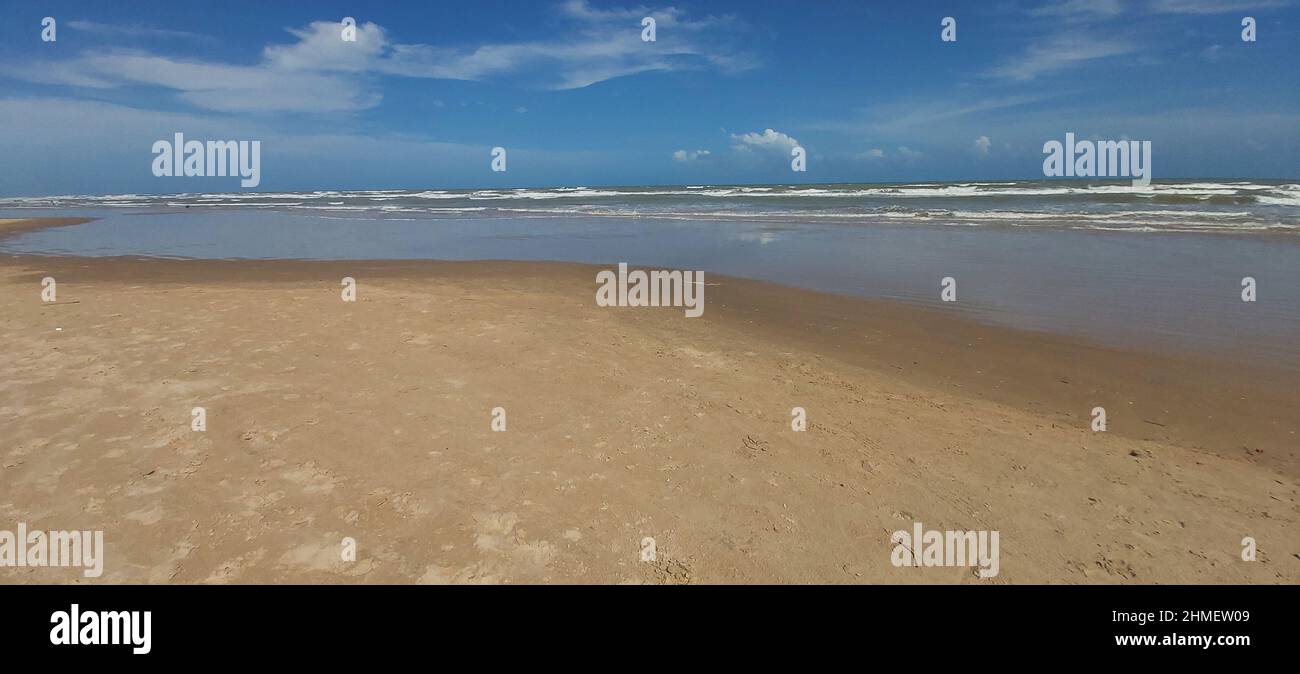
x: 11, y: 227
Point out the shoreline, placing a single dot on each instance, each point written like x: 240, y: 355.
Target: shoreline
x: 937, y: 348
x: 1178, y: 294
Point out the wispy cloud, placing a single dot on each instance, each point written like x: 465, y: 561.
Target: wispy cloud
x: 320, y: 72
x: 1215, y: 6
x: 212, y: 86
x: 1090, y: 8
x: 911, y: 114
x: 1059, y: 52
x: 603, y: 45
x: 118, y: 30
x: 1098, y: 9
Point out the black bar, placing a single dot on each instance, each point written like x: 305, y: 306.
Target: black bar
x: 326, y: 623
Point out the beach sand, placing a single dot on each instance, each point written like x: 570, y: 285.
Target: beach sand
x: 372, y: 420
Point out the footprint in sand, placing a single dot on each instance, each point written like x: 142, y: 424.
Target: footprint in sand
x: 312, y: 479
x: 147, y: 516
x: 498, y: 535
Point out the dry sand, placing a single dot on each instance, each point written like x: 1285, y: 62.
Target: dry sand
x: 371, y: 420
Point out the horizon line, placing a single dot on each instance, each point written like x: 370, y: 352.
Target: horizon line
x: 1072, y: 180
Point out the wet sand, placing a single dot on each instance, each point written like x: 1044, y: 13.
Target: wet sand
x: 12, y: 227
x: 372, y: 420
x: 1162, y: 291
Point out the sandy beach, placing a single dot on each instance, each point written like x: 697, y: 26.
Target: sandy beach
x: 373, y: 420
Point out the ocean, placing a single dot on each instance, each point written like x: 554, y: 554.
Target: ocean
x: 1159, y: 266
x: 1188, y: 206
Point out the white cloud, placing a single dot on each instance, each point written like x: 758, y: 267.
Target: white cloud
x: 982, y: 146
x: 601, y: 45
x: 870, y: 155
x: 1068, y: 8
x: 1101, y: 9
x: 687, y: 155
x: 319, y: 72
x: 769, y: 139
x: 214, y: 86
x: 1058, y: 53
x: 583, y: 10
x: 130, y: 30
x: 910, y: 114
x: 1214, y: 6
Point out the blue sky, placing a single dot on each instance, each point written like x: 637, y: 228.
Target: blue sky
x: 577, y: 98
